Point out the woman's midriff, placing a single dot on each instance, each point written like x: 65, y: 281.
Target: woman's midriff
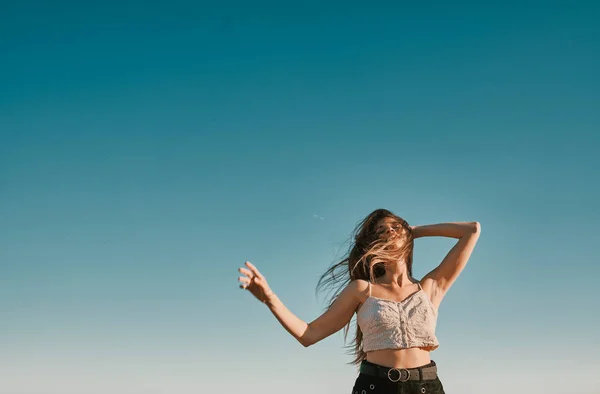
x: 400, y: 358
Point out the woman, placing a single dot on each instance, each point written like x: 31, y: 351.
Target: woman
x: 396, y: 315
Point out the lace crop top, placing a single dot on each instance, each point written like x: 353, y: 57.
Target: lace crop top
x: 388, y: 324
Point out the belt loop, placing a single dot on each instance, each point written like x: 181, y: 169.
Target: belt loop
x: 420, y: 373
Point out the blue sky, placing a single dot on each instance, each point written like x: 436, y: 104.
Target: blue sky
x: 149, y: 150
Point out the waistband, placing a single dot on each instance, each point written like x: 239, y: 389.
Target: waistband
x: 424, y: 372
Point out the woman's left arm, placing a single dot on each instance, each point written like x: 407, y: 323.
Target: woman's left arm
x: 444, y: 275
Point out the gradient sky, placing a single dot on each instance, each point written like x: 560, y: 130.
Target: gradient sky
x: 148, y: 150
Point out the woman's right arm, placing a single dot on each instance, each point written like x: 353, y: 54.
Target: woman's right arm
x: 331, y: 321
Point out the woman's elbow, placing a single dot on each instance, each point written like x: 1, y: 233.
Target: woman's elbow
x: 309, y: 338
x: 305, y: 341
x: 471, y: 230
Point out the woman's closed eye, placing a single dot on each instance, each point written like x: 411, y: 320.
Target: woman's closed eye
x: 394, y: 228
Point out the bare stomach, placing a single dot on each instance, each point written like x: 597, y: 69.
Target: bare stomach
x: 400, y: 358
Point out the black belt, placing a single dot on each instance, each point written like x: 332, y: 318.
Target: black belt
x: 426, y: 372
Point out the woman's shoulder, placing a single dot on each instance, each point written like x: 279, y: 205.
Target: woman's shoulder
x: 360, y: 284
x: 361, y: 288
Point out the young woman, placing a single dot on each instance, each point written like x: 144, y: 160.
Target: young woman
x: 396, y: 315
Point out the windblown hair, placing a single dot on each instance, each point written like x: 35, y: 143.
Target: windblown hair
x: 367, y: 257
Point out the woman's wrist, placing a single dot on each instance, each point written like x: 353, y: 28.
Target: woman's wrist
x: 269, y: 298
x: 416, y: 233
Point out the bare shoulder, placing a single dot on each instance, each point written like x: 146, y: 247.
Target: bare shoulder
x: 359, y: 288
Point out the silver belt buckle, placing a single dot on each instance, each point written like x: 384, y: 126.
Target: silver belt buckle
x: 399, y: 374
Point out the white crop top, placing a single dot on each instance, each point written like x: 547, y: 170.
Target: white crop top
x: 387, y: 324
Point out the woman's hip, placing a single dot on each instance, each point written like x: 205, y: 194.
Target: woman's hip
x: 377, y: 379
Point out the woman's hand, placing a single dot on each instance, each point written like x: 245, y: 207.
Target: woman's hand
x: 254, y: 282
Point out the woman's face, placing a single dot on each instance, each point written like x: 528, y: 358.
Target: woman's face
x: 388, y: 228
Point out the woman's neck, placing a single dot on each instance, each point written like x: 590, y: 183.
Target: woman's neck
x: 397, y: 274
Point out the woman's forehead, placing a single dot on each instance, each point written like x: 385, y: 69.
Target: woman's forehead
x: 385, y: 221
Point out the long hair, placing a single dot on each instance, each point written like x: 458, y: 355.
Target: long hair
x: 367, y: 257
